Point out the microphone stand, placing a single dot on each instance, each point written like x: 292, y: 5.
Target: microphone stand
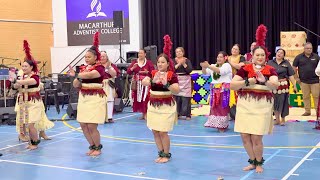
x: 120, y: 39
x: 42, y: 69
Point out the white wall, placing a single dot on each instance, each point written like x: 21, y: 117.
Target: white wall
x: 62, y: 54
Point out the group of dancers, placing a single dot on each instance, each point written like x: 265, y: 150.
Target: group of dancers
x: 163, y: 95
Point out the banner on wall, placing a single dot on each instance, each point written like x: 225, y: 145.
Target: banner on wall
x: 86, y: 17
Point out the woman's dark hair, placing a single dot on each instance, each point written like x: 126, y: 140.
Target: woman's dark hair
x: 93, y: 50
x: 259, y: 47
x: 165, y: 56
x: 237, y: 45
x: 143, y: 50
x: 33, y: 64
x: 284, y: 52
x: 223, y: 53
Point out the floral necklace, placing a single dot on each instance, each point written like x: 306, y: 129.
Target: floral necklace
x: 88, y: 68
x: 215, y: 75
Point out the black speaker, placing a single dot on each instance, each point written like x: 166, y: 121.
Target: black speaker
x: 118, y: 104
x: 152, y: 53
x: 131, y: 55
x: 118, y: 19
x: 10, y: 102
x: 7, y: 113
x: 72, y: 110
x: 65, y: 80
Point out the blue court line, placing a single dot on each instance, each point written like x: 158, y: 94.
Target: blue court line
x: 268, y: 159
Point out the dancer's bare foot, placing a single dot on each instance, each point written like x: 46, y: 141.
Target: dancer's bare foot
x: 163, y: 160
x: 158, y: 159
x: 32, y: 147
x: 89, y: 152
x: 259, y: 169
x: 249, y: 167
x: 188, y: 118
x: 95, y: 153
x: 43, y: 135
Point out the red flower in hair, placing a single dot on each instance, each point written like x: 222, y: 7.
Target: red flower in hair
x: 96, y: 44
x: 167, y: 50
x: 261, y: 34
x: 27, y: 50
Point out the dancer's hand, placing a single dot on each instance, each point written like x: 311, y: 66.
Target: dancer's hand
x: 252, y: 81
x: 260, y: 77
x: 204, y: 64
x: 71, y: 71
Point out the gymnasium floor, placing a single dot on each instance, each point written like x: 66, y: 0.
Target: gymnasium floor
x: 129, y: 152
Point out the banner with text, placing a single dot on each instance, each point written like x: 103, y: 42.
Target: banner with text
x: 86, y: 17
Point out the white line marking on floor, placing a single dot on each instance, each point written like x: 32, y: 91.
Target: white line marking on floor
x: 299, y: 163
x: 10, y: 146
x: 81, y: 170
x: 125, y: 117
x: 179, y: 135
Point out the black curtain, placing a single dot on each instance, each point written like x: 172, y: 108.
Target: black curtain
x: 204, y: 27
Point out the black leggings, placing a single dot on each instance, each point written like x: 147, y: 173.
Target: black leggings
x: 183, y: 106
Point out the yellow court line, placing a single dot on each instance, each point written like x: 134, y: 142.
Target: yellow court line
x: 190, y: 145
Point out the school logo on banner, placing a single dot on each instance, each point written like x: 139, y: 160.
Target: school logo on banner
x: 86, y: 17
x: 96, y: 9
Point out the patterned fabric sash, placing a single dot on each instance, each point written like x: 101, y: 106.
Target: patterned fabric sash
x: 142, y: 91
x: 283, y: 87
x: 185, y: 86
x: 23, y: 98
x: 218, y: 90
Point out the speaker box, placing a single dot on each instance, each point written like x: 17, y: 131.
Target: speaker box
x: 65, y: 80
x: 7, y: 113
x: 152, y: 53
x: 72, y: 110
x: 118, y: 19
x: 131, y: 55
x: 9, y: 102
x: 118, y: 104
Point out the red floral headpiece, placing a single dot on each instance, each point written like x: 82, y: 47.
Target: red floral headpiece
x: 167, y: 50
x: 261, y: 34
x: 96, y: 45
x: 27, y: 50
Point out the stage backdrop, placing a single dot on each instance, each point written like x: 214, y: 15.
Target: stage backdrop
x: 85, y: 17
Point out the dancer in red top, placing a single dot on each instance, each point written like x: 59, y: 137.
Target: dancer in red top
x: 162, y: 112
x: 31, y: 116
x: 92, y: 102
x: 140, y: 69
